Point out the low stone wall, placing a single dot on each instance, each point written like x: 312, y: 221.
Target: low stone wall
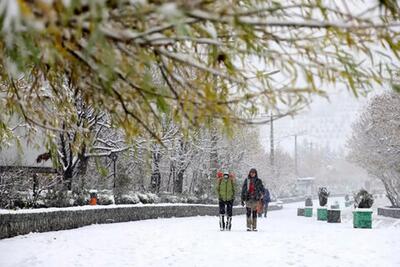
x: 15, y: 223
x: 303, y: 198
x: 292, y: 199
x: 389, y: 212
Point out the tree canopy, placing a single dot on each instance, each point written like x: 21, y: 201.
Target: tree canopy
x: 375, y: 142
x: 201, y: 61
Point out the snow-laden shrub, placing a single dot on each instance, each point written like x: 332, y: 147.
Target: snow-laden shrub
x: 81, y: 199
x: 24, y: 200
x: 105, y: 197
x: 192, y: 200
x: 336, y: 205
x: 20, y: 201
x: 58, y: 198
x: 143, y: 198
x: 183, y: 199
x: 323, y: 194
x: 308, y: 202
x: 130, y: 198
x: 40, y: 203
x: 154, y: 198
x: 363, y: 199
x: 205, y: 199
x: 147, y: 198
x: 168, y: 198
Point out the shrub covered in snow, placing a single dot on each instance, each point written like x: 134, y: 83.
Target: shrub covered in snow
x: 323, y: 194
x: 81, y: 199
x: 130, y: 198
x: 147, y: 198
x: 206, y: 199
x: 167, y: 198
x: 58, y: 198
x: 105, y: 197
x: 308, y: 202
x: 193, y: 200
x: 20, y: 201
x: 363, y: 199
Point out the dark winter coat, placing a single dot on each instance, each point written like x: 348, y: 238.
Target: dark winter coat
x: 267, y: 197
x: 258, y: 186
x: 226, y: 189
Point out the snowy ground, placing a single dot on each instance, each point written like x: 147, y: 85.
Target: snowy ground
x: 283, y: 240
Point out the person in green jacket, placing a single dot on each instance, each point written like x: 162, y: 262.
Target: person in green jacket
x: 226, y: 196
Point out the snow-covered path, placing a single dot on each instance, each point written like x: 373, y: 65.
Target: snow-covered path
x: 283, y: 240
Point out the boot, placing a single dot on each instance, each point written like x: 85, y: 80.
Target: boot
x: 254, y: 224
x: 221, y: 222
x: 248, y: 223
x: 228, y: 223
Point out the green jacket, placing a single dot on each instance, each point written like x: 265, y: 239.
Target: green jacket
x: 226, y: 189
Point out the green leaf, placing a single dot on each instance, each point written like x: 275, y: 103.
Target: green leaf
x: 163, y: 105
x: 396, y: 88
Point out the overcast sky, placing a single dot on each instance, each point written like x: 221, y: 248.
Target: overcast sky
x: 323, y: 123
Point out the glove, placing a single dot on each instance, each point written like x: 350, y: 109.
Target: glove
x: 242, y: 203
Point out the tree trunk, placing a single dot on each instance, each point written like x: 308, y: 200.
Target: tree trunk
x: 142, y: 184
x: 67, y: 178
x: 35, y: 186
x: 193, y: 181
x: 81, y: 174
x: 178, y: 185
x: 390, y: 191
x: 172, y: 174
x: 214, y: 153
x: 214, y: 165
x: 155, y: 181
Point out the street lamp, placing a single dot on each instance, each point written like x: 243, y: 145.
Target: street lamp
x: 113, y: 156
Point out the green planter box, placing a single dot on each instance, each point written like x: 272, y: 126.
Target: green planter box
x: 308, y: 211
x: 362, y: 218
x: 322, y: 214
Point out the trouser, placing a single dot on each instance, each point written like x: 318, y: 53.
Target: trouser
x: 251, y: 214
x: 265, y: 209
x: 228, y: 223
x: 228, y: 204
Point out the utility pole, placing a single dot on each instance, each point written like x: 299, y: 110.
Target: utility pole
x: 295, y: 156
x: 272, y: 151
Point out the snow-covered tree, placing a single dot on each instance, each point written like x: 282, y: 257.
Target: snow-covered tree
x: 375, y: 143
x: 158, y: 150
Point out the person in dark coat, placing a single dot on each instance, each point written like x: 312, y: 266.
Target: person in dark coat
x: 267, y: 199
x: 252, y: 192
